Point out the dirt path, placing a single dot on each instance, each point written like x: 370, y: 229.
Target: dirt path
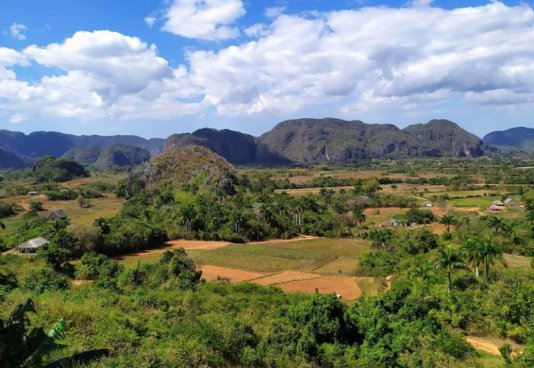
x: 281, y: 241
x: 490, y: 346
x: 196, y: 244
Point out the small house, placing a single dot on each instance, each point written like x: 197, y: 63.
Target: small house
x: 56, y: 215
x: 33, y: 193
x: 429, y: 205
x: 32, y: 245
x: 396, y: 222
x: 495, y: 208
x: 498, y: 203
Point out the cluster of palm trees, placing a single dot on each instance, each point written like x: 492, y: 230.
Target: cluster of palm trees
x: 477, y: 252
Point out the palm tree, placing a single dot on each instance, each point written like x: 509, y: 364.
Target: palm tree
x: 491, y: 253
x: 360, y: 218
x: 448, y: 221
x: 22, y: 348
x: 449, y: 259
x: 497, y: 224
x: 472, y: 250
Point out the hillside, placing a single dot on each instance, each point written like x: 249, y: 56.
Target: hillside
x: 196, y: 167
x: 56, y: 144
x: 114, y: 156
x: 234, y: 146
x: 340, y: 141
x: 10, y: 161
x: 298, y: 141
x: 515, y: 139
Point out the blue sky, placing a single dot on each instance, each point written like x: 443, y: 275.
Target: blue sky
x: 154, y: 68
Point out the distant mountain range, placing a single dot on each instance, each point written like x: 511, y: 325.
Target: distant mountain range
x: 515, y: 139
x: 300, y: 141
x: 115, y: 156
x: 39, y: 144
x: 305, y: 141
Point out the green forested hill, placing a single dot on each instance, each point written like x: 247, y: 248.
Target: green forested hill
x: 191, y: 166
x: 115, y: 156
x: 515, y: 139
x: 334, y: 140
x: 234, y: 146
x: 10, y: 161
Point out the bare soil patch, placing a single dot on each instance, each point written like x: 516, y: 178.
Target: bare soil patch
x: 211, y: 273
x: 344, y: 286
x: 490, y: 345
x: 342, y: 265
x: 196, y: 244
x: 285, y: 276
x: 282, y: 241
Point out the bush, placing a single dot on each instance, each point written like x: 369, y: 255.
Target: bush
x: 94, y: 266
x: 181, y: 268
x: 417, y: 216
x: 43, y: 280
x: 36, y: 206
x: 6, y: 210
x: 8, y: 282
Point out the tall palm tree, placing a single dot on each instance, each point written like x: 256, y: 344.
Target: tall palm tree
x: 449, y: 259
x: 472, y: 251
x: 491, y: 253
x: 360, y: 219
x: 448, y: 221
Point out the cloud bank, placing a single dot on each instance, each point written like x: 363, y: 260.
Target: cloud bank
x: 353, y: 60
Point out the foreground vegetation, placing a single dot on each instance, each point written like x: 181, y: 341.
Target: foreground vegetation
x: 473, y: 277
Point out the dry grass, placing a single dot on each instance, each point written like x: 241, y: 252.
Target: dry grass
x: 212, y: 273
x: 285, y: 276
x: 344, y: 286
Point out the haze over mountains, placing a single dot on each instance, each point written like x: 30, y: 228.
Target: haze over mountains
x: 299, y: 141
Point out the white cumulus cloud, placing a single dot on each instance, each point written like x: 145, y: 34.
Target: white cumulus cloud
x: 204, y: 19
x: 17, y: 31
x: 340, y: 62
x: 104, y: 75
x: 373, y: 55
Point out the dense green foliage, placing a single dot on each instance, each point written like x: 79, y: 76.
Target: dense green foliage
x: 50, y: 169
x: 437, y: 288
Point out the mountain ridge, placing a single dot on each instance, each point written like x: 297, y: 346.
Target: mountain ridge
x: 297, y: 141
x: 513, y: 139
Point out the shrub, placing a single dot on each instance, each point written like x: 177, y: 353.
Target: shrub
x: 418, y: 216
x: 42, y: 280
x: 6, y: 210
